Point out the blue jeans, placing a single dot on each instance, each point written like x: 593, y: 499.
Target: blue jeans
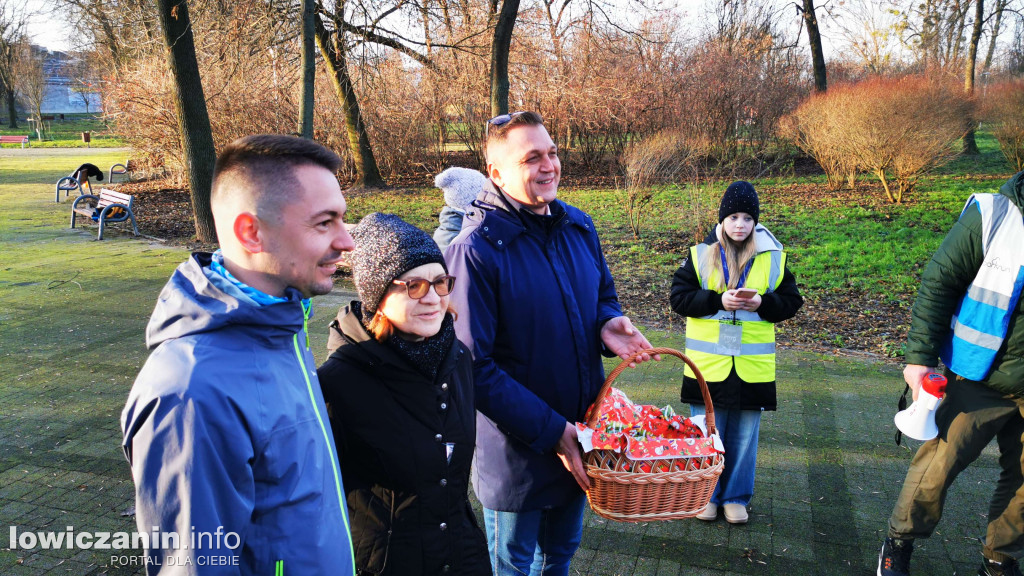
x: 536, y: 542
x: 739, y: 430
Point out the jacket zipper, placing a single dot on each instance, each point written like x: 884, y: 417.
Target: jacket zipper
x: 327, y: 438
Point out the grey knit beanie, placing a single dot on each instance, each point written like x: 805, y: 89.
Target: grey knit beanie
x: 386, y: 248
x: 460, y: 186
x: 740, y: 196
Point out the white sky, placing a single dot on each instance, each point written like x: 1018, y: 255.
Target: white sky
x: 45, y: 28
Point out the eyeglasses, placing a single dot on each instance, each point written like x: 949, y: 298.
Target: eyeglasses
x: 499, y: 121
x: 417, y: 287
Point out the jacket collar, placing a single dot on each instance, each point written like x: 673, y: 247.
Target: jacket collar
x: 350, y: 339
x: 764, y: 240
x: 500, y: 222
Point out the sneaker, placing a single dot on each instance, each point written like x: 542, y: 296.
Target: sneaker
x: 894, y: 559
x: 993, y: 568
x: 709, y: 513
x: 736, y: 513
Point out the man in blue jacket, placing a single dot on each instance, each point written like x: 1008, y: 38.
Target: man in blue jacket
x: 537, y: 306
x: 225, y: 429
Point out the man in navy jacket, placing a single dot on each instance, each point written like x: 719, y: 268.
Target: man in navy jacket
x: 537, y: 306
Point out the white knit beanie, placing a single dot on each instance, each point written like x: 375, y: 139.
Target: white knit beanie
x: 460, y: 186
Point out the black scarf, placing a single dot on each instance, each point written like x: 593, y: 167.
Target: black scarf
x: 427, y: 354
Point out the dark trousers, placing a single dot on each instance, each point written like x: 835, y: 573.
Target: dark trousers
x: 968, y: 418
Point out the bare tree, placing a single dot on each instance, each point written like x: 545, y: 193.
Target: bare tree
x: 871, y: 32
x: 332, y: 46
x: 1000, y: 7
x: 970, y: 144
x: 308, y: 39
x: 118, y: 31
x: 193, y: 119
x: 814, y: 40
x: 504, y: 24
x: 81, y: 73
x: 31, y: 81
x: 12, y: 27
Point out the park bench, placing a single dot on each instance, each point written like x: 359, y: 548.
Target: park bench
x: 120, y: 170
x: 13, y: 139
x: 78, y: 180
x: 110, y: 207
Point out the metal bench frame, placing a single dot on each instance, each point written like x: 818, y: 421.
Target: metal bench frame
x: 107, y: 200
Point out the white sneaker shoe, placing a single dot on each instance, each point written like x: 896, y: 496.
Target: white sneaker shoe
x: 736, y: 513
x: 709, y: 513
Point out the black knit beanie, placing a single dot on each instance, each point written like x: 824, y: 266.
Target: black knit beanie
x: 740, y: 196
x: 386, y: 248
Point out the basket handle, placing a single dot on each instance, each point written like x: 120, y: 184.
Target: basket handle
x: 709, y: 418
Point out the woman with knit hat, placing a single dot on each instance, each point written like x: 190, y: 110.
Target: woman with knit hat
x: 399, y: 389
x: 732, y: 290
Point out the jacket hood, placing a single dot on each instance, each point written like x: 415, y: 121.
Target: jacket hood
x: 190, y: 304
x: 1014, y: 190
x: 764, y: 240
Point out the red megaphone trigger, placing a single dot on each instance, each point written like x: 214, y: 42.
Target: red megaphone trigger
x: 935, y: 384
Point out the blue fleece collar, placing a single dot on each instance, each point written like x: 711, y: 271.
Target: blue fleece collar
x: 226, y: 281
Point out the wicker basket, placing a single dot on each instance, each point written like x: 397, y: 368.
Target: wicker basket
x: 681, y: 490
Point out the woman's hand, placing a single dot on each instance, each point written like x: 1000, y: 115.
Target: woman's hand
x: 731, y: 302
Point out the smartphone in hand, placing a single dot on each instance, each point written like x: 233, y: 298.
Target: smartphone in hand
x: 745, y: 293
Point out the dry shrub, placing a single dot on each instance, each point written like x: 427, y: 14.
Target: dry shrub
x: 897, y: 129
x: 814, y: 128
x: 238, y: 104
x: 701, y: 210
x: 401, y: 114
x: 1003, y: 109
x: 140, y: 103
x: 667, y: 157
x: 736, y: 87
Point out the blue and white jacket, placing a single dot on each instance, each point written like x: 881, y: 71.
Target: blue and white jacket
x: 969, y: 308
x: 983, y: 315
x: 228, y: 438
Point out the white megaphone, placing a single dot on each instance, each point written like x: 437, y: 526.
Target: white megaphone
x: 918, y: 421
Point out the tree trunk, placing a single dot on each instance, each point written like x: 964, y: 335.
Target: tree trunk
x: 970, y: 143
x: 193, y: 119
x: 499, y: 56
x: 308, y: 68
x: 12, y: 112
x: 817, y: 54
x: 333, y: 51
x: 1000, y: 6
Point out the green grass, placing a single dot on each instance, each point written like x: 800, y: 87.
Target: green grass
x: 67, y: 134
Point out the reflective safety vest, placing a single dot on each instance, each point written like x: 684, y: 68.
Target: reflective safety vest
x: 711, y: 340
x: 982, y: 317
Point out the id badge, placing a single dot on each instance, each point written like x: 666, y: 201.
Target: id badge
x: 730, y: 337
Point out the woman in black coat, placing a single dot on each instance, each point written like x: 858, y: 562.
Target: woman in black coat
x: 399, y: 389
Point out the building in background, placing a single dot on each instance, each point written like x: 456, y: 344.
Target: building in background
x: 71, y: 85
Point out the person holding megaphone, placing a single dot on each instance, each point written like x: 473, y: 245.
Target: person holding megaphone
x: 968, y: 313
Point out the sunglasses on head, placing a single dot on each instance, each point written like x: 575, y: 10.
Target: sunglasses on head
x: 499, y: 121
x: 417, y: 287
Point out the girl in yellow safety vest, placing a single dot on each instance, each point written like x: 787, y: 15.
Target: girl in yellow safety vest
x: 732, y: 289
